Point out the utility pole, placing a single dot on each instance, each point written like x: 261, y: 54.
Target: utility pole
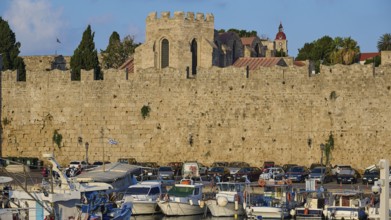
x: 384, y: 166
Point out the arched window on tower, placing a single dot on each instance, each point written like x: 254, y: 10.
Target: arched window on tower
x: 165, y: 58
x: 193, y: 57
x: 257, y: 50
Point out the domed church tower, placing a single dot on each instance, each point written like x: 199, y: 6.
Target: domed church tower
x: 281, y: 43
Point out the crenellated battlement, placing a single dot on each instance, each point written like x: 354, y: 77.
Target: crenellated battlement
x: 181, y: 16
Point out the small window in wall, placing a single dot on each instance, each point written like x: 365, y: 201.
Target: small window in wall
x: 194, y: 57
x: 165, y: 53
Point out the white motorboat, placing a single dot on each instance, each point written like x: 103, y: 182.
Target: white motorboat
x: 275, y: 203
x: 346, y: 205
x: 228, y: 200
x: 66, y: 199
x: 184, y: 198
x: 144, y: 196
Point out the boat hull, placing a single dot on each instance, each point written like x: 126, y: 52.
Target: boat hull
x: 264, y: 212
x: 343, y: 213
x: 301, y: 213
x: 145, y: 207
x: 176, y: 208
x: 224, y: 211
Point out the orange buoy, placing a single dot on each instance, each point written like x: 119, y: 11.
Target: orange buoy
x: 261, y: 182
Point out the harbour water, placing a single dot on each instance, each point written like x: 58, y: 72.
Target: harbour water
x: 194, y: 217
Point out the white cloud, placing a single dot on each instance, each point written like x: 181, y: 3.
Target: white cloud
x: 36, y: 24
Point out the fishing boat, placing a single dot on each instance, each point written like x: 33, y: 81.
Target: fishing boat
x: 228, y: 200
x: 275, y: 203
x: 184, y: 198
x: 347, y: 205
x: 65, y: 198
x: 312, y: 204
x: 143, y: 197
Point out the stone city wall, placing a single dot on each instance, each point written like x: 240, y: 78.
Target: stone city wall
x: 278, y: 114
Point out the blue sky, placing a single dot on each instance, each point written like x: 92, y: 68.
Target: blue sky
x: 38, y: 23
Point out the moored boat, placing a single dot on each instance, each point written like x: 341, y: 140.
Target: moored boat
x: 143, y: 197
x: 275, y: 203
x: 228, y: 200
x: 184, y: 198
x: 347, y: 205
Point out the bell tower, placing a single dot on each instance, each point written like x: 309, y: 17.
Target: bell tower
x: 281, y: 43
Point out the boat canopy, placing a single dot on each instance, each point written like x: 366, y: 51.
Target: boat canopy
x: 181, y: 191
x: 112, y: 173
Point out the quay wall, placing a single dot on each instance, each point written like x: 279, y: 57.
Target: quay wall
x: 280, y: 114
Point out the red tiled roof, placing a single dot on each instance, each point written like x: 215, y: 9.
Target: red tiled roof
x: 128, y: 64
x: 365, y: 56
x: 280, y: 36
x: 256, y: 62
x: 247, y: 40
x: 298, y: 63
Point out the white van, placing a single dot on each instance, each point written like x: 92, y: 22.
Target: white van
x: 190, y: 169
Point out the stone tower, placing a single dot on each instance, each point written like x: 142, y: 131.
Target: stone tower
x: 179, y: 42
x: 281, y: 43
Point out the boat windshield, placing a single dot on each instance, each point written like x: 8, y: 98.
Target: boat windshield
x: 230, y: 187
x: 138, y: 191
x: 181, y: 191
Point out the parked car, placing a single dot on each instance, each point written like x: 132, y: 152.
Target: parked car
x: 347, y: 176
x: 165, y: 173
x: 372, y: 174
x: 219, y: 164
x: 129, y: 160
x: 177, y: 167
x: 235, y: 166
x: 222, y: 172
x: 321, y: 174
x: 286, y: 167
x: 337, y: 168
x: 251, y: 173
x: 77, y: 164
x: 276, y: 173
x: 148, y: 164
x: 267, y: 164
x: 99, y: 163
x: 45, y: 173
x: 297, y: 173
x: 313, y: 165
x: 191, y: 169
x: 203, y: 169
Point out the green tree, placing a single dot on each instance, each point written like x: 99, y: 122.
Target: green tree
x: 244, y: 33
x: 117, y: 52
x: 9, y: 49
x: 345, y: 51
x: 384, y: 43
x: 86, y: 57
x: 112, y: 54
x: 328, y: 148
x: 376, y: 59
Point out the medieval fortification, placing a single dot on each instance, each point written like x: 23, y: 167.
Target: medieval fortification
x: 211, y: 111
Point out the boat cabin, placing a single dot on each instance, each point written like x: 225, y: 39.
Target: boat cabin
x: 145, y: 189
x: 347, y: 199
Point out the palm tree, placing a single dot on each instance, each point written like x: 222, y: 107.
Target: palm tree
x: 384, y: 42
x: 350, y: 50
x: 345, y: 51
